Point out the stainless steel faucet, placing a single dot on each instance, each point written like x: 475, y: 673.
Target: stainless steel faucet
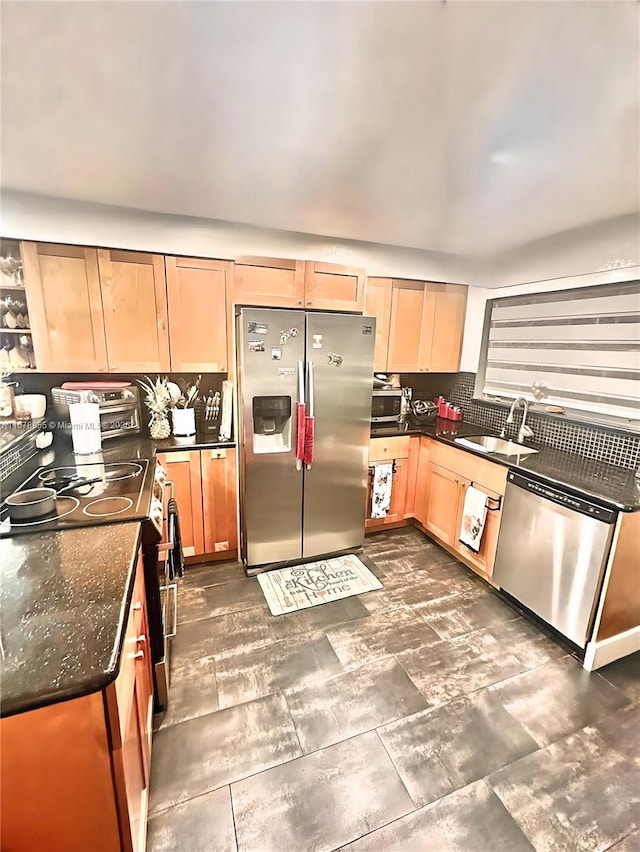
x: 524, y: 431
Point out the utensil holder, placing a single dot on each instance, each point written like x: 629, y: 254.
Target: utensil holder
x: 184, y: 421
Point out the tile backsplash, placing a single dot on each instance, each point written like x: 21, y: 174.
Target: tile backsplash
x: 593, y: 442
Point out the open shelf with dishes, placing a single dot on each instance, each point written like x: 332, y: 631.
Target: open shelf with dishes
x: 16, y: 339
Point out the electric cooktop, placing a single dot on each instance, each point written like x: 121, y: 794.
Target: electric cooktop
x: 123, y: 493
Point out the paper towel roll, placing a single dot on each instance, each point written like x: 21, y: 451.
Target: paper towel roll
x: 85, y: 427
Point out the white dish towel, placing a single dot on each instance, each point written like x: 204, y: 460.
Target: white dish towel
x: 381, y: 490
x: 474, y: 514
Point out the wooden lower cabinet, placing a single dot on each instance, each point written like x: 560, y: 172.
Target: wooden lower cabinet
x: 396, y: 452
x: 437, y: 482
x: 204, y: 486
x: 218, y: 469
x: 75, y: 775
x: 444, y: 504
x: 183, y: 470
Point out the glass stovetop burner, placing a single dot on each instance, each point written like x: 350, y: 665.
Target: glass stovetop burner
x: 122, y: 491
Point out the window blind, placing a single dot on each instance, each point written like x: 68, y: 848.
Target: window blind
x: 581, y: 347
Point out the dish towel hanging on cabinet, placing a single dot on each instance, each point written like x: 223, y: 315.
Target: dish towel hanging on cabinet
x: 381, y: 490
x: 474, y: 514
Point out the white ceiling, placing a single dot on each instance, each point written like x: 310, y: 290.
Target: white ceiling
x: 462, y: 127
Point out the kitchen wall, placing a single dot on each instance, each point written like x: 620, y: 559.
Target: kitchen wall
x: 36, y: 217
x: 609, y: 445
x: 43, y: 382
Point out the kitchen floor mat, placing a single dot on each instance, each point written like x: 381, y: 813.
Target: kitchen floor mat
x: 315, y: 583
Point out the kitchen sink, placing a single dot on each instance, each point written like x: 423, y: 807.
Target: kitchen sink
x: 491, y: 444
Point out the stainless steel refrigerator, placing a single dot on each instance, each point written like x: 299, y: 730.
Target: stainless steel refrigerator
x: 304, y: 404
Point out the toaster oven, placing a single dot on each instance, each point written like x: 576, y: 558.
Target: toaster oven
x: 386, y: 406
x: 119, y: 408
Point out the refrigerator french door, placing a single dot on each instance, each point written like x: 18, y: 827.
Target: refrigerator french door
x: 291, y: 508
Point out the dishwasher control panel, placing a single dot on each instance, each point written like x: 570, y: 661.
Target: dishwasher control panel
x: 563, y: 498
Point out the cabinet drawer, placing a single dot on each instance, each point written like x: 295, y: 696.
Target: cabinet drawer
x: 481, y: 472
x: 386, y: 449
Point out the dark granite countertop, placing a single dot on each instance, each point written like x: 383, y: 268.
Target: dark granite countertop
x: 617, y: 487
x: 64, y: 601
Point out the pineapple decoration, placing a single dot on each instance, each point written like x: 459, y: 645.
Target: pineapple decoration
x: 158, y: 401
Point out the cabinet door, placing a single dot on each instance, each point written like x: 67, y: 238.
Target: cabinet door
x: 183, y: 469
x: 446, y: 490
x: 406, y: 326
x: 219, y: 500
x: 135, y: 311
x: 377, y: 303
x: 269, y: 281
x: 197, y: 304
x: 444, y: 313
x: 332, y: 287
x: 398, y: 497
x: 65, y: 307
x: 134, y: 774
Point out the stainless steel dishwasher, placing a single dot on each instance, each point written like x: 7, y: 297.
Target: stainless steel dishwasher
x: 552, y: 552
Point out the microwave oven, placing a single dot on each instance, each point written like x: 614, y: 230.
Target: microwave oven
x: 386, y: 405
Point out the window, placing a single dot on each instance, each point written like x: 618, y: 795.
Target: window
x: 576, y: 349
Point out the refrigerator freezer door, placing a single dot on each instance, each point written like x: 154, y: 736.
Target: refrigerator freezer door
x: 335, y: 488
x: 270, y: 345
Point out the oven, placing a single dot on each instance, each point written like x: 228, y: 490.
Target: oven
x: 386, y: 406
x: 163, y: 566
x: 119, y: 406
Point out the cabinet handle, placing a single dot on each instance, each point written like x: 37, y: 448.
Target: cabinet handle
x: 299, y: 301
x: 138, y: 655
x: 309, y: 302
x: 137, y: 605
x: 141, y: 638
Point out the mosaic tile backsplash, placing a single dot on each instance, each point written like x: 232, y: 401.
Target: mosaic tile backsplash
x: 622, y: 450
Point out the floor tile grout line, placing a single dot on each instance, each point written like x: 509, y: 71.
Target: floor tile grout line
x: 233, y: 817
x: 397, y: 771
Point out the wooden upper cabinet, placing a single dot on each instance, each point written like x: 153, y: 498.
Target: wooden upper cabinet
x: 135, y: 311
x: 197, y: 303
x: 333, y: 287
x: 441, y: 346
x: 65, y: 307
x: 219, y: 500
x: 407, y: 326
x: 426, y: 326
x: 269, y: 281
x: 377, y: 303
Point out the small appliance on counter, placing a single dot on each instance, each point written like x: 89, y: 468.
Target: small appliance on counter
x: 119, y: 408
x: 386, y: 406
x: 422, y: 411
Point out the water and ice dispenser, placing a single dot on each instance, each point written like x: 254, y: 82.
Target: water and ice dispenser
x: 271, y: 424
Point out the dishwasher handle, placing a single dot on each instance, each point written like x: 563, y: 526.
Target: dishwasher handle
x: 563, y: 498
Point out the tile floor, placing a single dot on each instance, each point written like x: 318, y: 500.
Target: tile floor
x: 428, y: 715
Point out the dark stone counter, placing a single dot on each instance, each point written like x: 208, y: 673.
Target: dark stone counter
x: 64, y: 602
x: 617, y: 487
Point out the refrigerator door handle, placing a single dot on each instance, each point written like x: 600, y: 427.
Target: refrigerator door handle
x: 300, y: 418
x: 309, y: 426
